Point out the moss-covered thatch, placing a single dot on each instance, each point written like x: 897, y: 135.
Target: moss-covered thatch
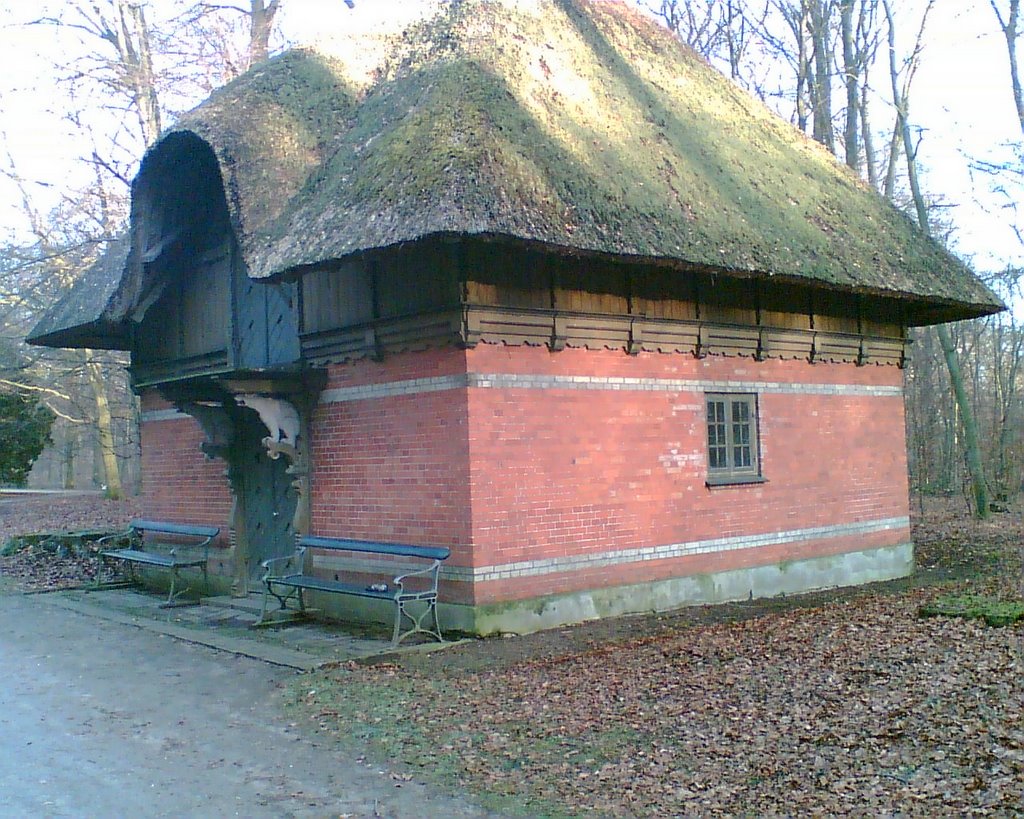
x: 81, y: 318
x: 578, y: 125
x: 272, y: 130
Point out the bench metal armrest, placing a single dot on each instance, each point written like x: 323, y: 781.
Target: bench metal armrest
x: 127, y: 533
x: 273, y: 561
x: 205, y: 545
x: 432, y: 569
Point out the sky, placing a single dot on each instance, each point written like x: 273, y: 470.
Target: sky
x: 961, y: 101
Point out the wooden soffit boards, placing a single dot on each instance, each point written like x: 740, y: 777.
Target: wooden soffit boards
x: 631, y: 334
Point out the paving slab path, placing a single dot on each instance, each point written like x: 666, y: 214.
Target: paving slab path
x: 104, y: 718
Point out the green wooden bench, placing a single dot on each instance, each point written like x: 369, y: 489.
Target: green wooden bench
x: 286, y: 580
x: 189, y: 548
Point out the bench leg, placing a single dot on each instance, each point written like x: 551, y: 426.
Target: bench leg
x: 263, y: 609
x: 100, y: 584
x: 417, y: 622
x: 172, y: 597
x: 282, y: 600
x: 399, y: 611
x: 174, y: 580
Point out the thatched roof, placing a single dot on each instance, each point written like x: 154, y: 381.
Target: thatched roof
x: 578, y: 125
x: 81, y: 318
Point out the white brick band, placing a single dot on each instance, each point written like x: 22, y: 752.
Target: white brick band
x: 533, y: 568
x: 505, y: 381
x: 415, y: 386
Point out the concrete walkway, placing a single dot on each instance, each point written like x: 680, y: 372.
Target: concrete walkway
x: 110, y: 706
x: 224, y: 623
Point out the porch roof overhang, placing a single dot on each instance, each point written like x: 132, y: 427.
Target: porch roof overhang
x: 82, y: 318
x: 291, y: 383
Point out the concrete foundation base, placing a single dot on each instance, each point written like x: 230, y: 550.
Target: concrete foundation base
x: 792, y: 577
x: 538, y: 613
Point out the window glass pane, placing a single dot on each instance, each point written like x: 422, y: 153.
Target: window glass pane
x: 732, y: 433
x: 717, y: 444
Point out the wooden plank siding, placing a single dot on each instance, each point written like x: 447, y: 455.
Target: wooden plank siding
x: 213, y: 319
x: 373, y: 340
x: 478, y: 292
x: 266, y: 318
x: 189, y: 321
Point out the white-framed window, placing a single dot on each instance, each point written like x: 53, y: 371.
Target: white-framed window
x: 733, y: 453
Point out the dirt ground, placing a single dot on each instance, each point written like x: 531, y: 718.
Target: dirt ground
x: 839, y: 702
x: 842, y: 702
x: 109, y: 719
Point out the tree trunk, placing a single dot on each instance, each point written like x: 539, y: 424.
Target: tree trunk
x: 851, y: 68
x: 819, y: 21
x: 261, y: 24
x: 970, y: 427
x: 1007, y: 400
x: 972, y: 450
x: 1010, y: 32
x: 133, y: 46
x: 870, y: 159
x: 105, y: 427
x: 68, y: 457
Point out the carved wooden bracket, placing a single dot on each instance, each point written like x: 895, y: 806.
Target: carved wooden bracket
x: 216, y: 424
x: 279, y: 417
x: 636, y: 338
x: 288, y: 424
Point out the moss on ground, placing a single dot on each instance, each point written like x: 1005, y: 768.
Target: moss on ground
x: 993, y: 610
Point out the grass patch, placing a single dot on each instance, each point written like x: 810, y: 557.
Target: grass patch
x: 993, y: 610
x: 398, y: 722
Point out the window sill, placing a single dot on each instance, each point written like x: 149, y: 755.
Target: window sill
x: 713, y: 482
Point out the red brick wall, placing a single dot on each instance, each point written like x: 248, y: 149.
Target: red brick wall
x: 562, y: 472
x: 178, y: 483
x: 395, y: 468
x: 504, y: 474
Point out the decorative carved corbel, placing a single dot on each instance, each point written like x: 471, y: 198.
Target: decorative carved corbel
x: 216, y: 424
x: 559, y: 332
x: 635, y: 343
x: 288, y: 424
x: 275, y: 449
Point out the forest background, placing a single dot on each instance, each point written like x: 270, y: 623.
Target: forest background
x: 921, y: 98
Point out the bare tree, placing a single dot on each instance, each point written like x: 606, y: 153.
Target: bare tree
x: 1009, y: 20
x: 261, y: 23
x: 967, y: 415
x: 718, y: 31
x: 122, y: 62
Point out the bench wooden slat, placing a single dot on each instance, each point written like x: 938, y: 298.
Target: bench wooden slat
x: 323, y: 584
x: 373, y: 547
x: 154, y: 558
x: 174, y: 528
